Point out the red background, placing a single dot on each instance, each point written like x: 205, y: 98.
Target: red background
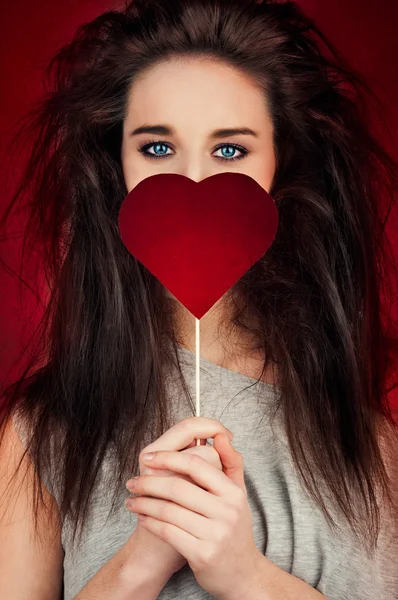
x: 364, y: 31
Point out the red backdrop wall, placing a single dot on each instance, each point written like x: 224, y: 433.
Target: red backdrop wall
x: 364, y: 31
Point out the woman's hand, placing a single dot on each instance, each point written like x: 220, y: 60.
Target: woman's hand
x: 180, y: 437
x: 209, y: 523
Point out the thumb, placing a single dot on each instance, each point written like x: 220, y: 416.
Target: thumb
x: 231, y: 460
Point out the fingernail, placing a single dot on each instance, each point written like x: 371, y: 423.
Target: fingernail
x: 149, y: 456
x: 131, y: 483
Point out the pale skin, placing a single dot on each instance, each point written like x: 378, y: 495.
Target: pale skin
x: 195, y: 97
x: 208, y: 519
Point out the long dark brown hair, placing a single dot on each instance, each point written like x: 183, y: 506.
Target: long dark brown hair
x: 319, y: 297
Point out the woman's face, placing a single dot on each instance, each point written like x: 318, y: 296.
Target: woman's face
x: 185, y: 101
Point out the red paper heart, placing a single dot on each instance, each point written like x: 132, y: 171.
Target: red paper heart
x: 200, y: 238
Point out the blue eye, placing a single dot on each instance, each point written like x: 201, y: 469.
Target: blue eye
x: 161, y: 148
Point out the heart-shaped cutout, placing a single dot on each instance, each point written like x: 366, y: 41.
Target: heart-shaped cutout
x: 198, y: 238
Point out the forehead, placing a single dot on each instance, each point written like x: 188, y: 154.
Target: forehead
x: 187, y: 90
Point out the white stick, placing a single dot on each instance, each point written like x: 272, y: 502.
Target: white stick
x: 197, y: 340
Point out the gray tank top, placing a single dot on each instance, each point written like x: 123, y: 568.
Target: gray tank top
x: 288, y: 527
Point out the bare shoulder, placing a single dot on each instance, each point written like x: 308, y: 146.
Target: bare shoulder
x: 31, y: 563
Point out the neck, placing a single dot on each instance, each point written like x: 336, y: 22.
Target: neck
x: 221, y: 342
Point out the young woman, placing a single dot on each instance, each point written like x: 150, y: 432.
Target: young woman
x: 295, y: 358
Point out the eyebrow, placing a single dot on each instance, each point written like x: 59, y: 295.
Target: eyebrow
x: 217, y: 134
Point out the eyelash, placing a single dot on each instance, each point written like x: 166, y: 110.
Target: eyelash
x: 145, y: 147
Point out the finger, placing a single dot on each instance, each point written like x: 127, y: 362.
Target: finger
x: 200, y: 471
x: 232, y: 461
x: 207, y: 452
x: 184, y: 543
x: 181, y: 492
x: 193, y: 443
x: 173, y: 513
x: 184, y: 432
